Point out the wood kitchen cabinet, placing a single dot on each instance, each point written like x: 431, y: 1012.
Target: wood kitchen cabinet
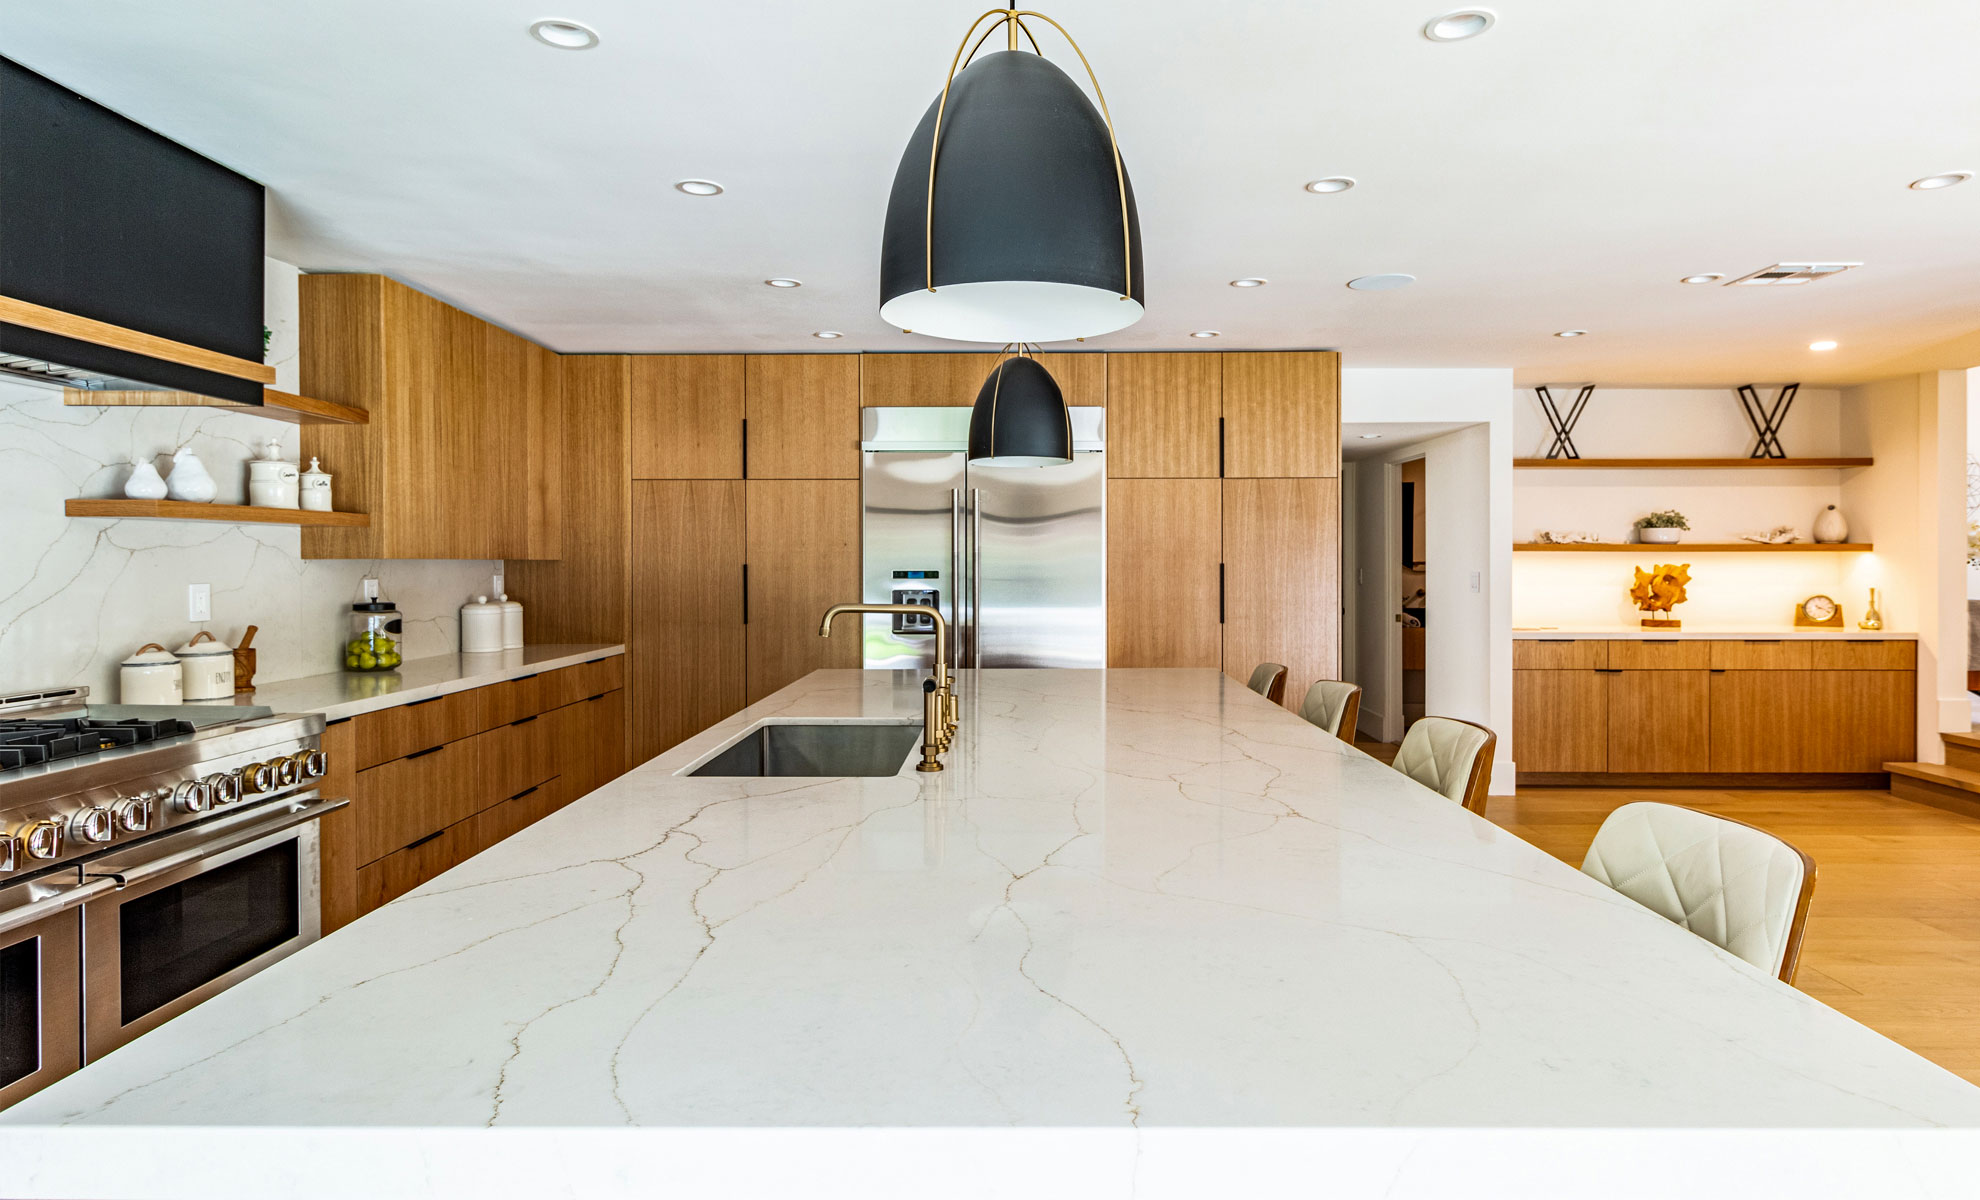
x: 463, y: 456
x: 1561, y: 719
x: 687, y: 610
x: 803, y: 413
x: 953, y: 380
x: 1282, y: 579
x: 1164, y: 559
x: 1162, y: 414
x: 1282, y: 414
x: 1812, y: 722
x: 802, y: 551
x: 687, y: 416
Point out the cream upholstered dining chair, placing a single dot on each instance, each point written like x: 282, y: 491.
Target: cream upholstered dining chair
x: 1334, y: 706
x: 1269, y: 681
x: 1450, y: 756
x: 1738, y: 887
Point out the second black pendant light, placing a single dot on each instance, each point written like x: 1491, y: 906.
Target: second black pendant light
x: 1020, y: 419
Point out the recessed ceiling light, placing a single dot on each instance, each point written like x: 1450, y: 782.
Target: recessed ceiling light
x: 1332, y: 183
x: 1248, y: 282
x: 1206, y: 333
x: 1380, y: 283
x: 1572, y: 333
x: 564, y: 35
x: 782, y: 283
x: 1932, y: 183
x: 699, y: 187
x: 1459, y: 25
x: 1822, y: 345
x: 1371, y: 437
x: 1709, y: 278
x: 828, y: 334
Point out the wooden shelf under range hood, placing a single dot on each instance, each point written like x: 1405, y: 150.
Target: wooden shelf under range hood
x: 275, y: 405
x: 184, y: 510
x: 1682, y: 548
x: 1687, y: 464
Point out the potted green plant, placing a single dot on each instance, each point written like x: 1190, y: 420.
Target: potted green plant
x: 1661, y: 528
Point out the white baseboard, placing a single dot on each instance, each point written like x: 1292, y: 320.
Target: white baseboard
x: 1503, y: 774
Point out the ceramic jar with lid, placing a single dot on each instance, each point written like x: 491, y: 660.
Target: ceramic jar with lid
x: 512, y: 623
x: 151, y: 676
x: 481, y: 626
x: 208, y: 666
x: 373, y: 643
x: 273, y: 482
x: 315, y: 484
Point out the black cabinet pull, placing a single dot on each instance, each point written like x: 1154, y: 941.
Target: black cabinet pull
x: 428, y: 700
x: 745, y: 447
x: 1608, y: 670
x: 421, y: 842
x: 1762, y: 641
x: 425, y: 752
x: 1558, y: 641
x: 1220, y: 593
x: 524, y: 792
x: 523, y: 720
x: 1718, y: 670
x: 599, y: 696
x: 1220, y: 447
x: 531, y: 675
x: 745, y: 593
x: 339, y: 721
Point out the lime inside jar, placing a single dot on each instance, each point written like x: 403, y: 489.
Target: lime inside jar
x: 372, y: 643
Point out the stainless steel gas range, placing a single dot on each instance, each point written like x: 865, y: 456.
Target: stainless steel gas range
x: 149, y: 858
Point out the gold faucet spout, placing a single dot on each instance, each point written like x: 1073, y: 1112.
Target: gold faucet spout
x: 940, y: 711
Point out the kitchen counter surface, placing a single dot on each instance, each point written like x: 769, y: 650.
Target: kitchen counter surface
x: 1633, y: 633
x: 1142, y: 912
x: 351, y: 693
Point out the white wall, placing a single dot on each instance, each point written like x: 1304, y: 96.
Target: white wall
x: 77, y: 596
x: 1468, y: 667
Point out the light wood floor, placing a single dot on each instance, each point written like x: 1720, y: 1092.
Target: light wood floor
x: 1894, y: 929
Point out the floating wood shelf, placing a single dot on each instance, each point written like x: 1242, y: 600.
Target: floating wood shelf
x: 183, y: 510
x: 276, y: 406
x: 1683, y: 548
x: 1687, y: 464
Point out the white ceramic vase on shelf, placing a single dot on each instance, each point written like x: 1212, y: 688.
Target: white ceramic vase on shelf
x: 1658, y: 537
x: 189, y: 480
x: 145, y: 483
x: 1830, y: 526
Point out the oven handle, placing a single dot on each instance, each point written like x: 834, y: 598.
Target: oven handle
x: 121, y: 874
x: 65, y: 898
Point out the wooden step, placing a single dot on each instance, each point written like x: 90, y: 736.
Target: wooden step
x: 1962, y: 750
x: 1956, y: 789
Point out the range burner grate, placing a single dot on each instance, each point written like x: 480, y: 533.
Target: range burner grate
x: 24, y: 743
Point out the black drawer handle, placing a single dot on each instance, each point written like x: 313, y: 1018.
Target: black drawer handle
x: 1718, y: 670
x: 425, y: 752
x: 421, y: 842
x: 1762, y: 641
x: 1558, y: 641
x: 428, y: 700
x: 520, y: 678
x: 336, y: 721
x: 599, y: 696
x: 524, y: 792
x: 1608, y: 670
x: 523, y: 721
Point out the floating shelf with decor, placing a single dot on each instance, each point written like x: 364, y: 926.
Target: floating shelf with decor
x: 275, y: 405
x: 1688, y: 464
x: 1682, y: 548
x: 184, y: 510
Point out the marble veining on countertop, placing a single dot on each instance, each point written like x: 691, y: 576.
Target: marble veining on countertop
x: 1135, y: 898
x: 351, y: 693
x: 1633, y: 633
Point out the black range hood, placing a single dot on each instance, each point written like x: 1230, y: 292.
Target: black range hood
x: 156, y: 249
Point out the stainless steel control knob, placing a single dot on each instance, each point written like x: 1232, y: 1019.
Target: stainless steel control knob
x: 194, y: 796
x: 223, y: 789
x: 257, y: 778
x: 287, y: 771
x: 95, y: 824
x: 134, y: 814
x: 10, y: 852
x: 311, y: 764
x: 43, y: 839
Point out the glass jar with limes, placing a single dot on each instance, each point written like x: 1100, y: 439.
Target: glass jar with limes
x: 372, y: 643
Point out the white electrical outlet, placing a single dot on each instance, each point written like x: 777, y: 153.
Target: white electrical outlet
x: 370, y: 590
x: 199, y: 602
x: 1477, y: 581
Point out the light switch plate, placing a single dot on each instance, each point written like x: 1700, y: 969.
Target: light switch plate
x: 1477, y: 581
x: 199, y: 602
x: 370, y: 590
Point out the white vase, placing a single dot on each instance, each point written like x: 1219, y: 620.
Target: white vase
x: 1658, y: 537
x: 1830, y: 526
x: 189, y: 480
x: 144, y: 483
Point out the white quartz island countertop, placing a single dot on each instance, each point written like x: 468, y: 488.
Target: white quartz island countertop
x: 1147, y: 935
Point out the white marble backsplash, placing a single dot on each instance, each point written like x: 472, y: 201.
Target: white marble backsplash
x: 78, y: 595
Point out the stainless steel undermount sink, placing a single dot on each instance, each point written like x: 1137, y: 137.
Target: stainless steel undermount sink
x: 862, y: 748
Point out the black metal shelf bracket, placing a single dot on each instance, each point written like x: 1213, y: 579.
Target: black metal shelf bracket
x: 1563, y: 426
x: 1766, y: 421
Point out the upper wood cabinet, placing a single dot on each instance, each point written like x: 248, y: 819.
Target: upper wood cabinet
x: 686, y: 645
x: 1282, y: 414
x: 802, y: 547
x: 463, y: 457
x: 1282, y: 579
x: 583, y: 596
x: 687, y: 416
x: 1162, y: 412
x: 1164, y: 548
x: 803, y: 413
x: 952, y: 380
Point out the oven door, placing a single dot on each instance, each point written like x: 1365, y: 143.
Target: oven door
x: 195, y: 914
x: 41, y: 983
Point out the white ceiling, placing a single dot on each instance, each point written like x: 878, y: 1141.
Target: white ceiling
x: 1561, y: 171
x: 1373, y: 439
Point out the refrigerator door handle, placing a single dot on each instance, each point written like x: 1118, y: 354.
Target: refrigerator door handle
x: 975, y: 578
x: 955, y: 568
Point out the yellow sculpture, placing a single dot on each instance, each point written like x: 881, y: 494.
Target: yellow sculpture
x: 1657, y: 590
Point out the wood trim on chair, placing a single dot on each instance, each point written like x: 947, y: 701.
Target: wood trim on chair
x: 1797, y: 925
x: 1276, y: 690
x: 1350, y: 715
x: 1477, y: 789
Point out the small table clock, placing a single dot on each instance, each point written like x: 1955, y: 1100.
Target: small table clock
x: 1818, y: 612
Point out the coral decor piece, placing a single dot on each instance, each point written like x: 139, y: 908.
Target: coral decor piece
x: 1566, y: 537
x: 1658, y: 590
x: 1779, y: 535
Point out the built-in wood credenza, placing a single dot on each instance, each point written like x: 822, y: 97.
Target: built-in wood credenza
x: 1777, y: 711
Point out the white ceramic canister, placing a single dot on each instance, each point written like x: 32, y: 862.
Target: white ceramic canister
x: 151, y: 676
x: 273, y: 482
x: 145, y: 483
x: 315, y: 484
x: 512, y: 629
x: 208, y: 663
x: 189, y: 480
x: 481, y: 626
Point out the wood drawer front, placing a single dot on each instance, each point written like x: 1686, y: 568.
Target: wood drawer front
x: 581, y: 682
x: 512, y: 700
x: 1666, y: 655
x: 403, y: 870
x: 396, y: 732
x: 1864, y: 656
x: 516, y: 757
x: 518, y: 813
x: 596, y: 752
x: 1564, y: 654
x: 1812, y: 721
x: 1761, y: 656
x: 402, y: 801
x: 1660, y: 720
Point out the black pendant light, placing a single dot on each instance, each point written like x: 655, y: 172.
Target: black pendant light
x: 1023, y: 227
x: 1020, y: 419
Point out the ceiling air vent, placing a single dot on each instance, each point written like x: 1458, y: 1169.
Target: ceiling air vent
x: 1790, y: 274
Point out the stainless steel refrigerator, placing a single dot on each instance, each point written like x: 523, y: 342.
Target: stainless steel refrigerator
x: 1014, y: 557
